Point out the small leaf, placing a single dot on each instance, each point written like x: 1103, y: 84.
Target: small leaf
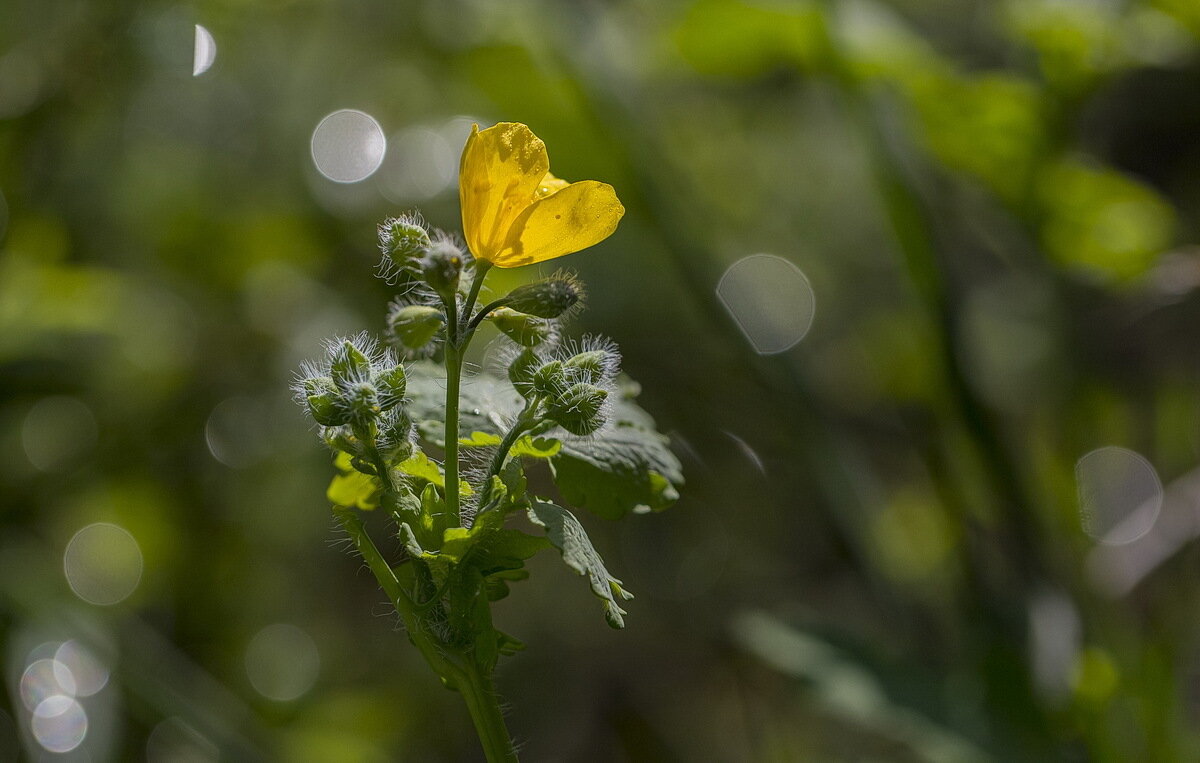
x: 536, y: 447
x: 354, y: 490
x: 509, y: 645
x: 420, y: 466
x: 568, y: 535
x: 480, y: 440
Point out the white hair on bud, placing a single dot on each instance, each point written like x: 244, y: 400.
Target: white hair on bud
x: 387, y: 269
x: 610, y: 360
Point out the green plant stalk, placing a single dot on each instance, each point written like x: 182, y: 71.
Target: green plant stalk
x: 453, y: 382
x: 456, y: 347
x: 460, y: 671
x: 479, y: 692
x: 522, y: 425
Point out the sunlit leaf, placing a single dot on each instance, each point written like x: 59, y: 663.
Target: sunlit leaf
x: 569, y: 537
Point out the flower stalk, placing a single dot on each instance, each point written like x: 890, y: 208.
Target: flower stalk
x: 455, y: 564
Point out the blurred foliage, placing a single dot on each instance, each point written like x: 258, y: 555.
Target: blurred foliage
x: 879, y: 554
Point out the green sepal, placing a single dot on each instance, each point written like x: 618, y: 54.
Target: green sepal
x: 568, y: 536
x: 328, y: 409
x: 526, y: 330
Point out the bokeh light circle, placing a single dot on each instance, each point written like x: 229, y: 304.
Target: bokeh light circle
x: 348, y: 146
x: 43, y: 679
x: 282, y: 662
x: 103, y: 564
x: 1120, y: 495
x: 770, y: 300
x: 88, y: 674
x: 59, y: 723
x: 57, y: 432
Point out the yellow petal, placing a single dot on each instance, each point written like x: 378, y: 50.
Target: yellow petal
x: 574, y: 218
x: 498, y: 178
x: 550, y: 184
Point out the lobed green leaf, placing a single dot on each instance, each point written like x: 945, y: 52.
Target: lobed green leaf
x: 569, y: 536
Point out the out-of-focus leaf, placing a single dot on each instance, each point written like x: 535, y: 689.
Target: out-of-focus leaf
x: 849, y: 689
x: 1102, y: 222
x: 738, y: 39
x: 989, y: 127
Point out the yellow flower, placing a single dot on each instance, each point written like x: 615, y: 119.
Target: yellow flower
x: 515, y: 212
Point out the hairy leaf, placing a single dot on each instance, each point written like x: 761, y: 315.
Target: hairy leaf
x: 565, y: 532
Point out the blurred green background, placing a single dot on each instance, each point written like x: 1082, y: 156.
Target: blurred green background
x: 953, y: 523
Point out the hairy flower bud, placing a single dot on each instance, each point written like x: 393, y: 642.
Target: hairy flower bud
x: 395, y: 436
x: 391, y: 385
x: 415, y: 326
x: 403, y: 239
x: 363, y: 401
x: 341, y: 438
x: 550, y: 298
x: 525, y: 330
x: 580, y: 409
x: 591, y: 366
x: 349, y: 365
x: 441, y: 265
x: 521, y: 370
x: 328, y: 409
x: 549, y: 380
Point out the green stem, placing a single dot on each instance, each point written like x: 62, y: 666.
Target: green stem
x: 456, y: 347
x: 453, y: 381
x: 510, y: 438
x: 476, y: 687
x: 391, y: 586
x: 481, y: 271
x: 482, y: 314
x: 479, y: 691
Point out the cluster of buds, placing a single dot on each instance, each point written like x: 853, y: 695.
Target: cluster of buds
x: 572, y: 384
x: 357, y: 396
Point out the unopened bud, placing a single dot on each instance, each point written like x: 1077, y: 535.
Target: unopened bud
x: 580, y: 409
x: 395, y: 437
x: 525, y: 330
x: 441, y: 265
x: 391, y: 385
x: 403, y: 239
x: 341, y: 438
x: 328, y: 409
x: 520, y: 371
x: 591, y: 366
x: 546, y: 299
x: 363, y: 401
x: 415, y: 326
x: 349, y: 366
x: 549, y: 380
